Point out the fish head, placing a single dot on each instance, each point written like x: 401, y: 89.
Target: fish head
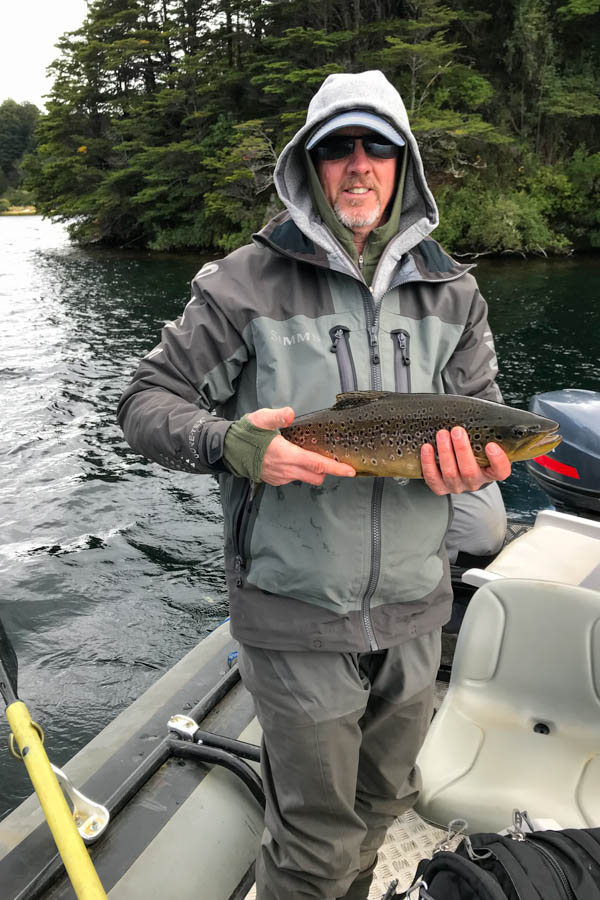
x: 527, y: 436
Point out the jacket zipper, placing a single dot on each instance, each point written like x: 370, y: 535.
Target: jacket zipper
x: 340, y: 337
x: 371, y: 315
x: 372, y: 311
x: 241, y: 531
x: 555, y: 865
x: 401, y: 360
x: 341, y: 347
x: 365, y: 607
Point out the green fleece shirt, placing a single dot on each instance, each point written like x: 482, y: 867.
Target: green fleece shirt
x: 245, y: 445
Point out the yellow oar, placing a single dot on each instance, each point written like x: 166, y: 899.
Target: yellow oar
x: 83, y: 876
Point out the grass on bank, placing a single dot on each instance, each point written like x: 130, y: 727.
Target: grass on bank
x: 19, y: 211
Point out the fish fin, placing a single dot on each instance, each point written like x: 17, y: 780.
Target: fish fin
x: 357, y: 398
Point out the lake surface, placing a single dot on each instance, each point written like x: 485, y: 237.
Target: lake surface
x: 111, y: 567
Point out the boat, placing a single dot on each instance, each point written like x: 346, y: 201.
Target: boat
x: 168, y: 796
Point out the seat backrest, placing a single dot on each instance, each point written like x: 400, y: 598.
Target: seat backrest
x: 534, y: 645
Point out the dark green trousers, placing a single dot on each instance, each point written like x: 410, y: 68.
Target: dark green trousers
x: 341, y: 732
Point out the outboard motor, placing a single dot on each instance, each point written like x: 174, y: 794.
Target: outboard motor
x: 570, y: 475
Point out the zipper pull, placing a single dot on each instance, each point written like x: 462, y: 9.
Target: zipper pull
x: 361, y: 261
x: 373, y: 343
x: 402, y: 343
x: 237, y: 567
x: 337, y: 337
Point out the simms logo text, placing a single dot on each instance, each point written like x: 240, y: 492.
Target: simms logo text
x: 301, y: 337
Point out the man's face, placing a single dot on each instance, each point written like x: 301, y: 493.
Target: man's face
x: 358, y: 187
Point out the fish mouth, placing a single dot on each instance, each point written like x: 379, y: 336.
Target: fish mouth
x: 538, y: 444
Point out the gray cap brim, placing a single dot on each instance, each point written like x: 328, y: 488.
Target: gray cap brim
x: 361, y: 117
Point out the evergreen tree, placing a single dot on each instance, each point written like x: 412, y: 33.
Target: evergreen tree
x: 166, y: 116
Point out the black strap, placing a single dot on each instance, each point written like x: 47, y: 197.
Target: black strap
x: 447, y: 869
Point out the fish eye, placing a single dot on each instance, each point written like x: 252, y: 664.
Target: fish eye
x: 519, y: 431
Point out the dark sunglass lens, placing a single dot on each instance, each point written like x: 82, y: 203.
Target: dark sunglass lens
x: 379, y: 148
x: 335, y: 148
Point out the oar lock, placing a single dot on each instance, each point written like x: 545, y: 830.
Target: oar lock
x: 91, y: 818
x: 183, y: 726
x: 14, y: 747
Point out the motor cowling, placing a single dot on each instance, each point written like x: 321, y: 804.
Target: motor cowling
x: 570, y: 474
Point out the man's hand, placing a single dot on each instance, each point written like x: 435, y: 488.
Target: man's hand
x: 284, y: 462
x: 458, y: 469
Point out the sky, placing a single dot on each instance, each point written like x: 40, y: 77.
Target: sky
x: 32, y: 29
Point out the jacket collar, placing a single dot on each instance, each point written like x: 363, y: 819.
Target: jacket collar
x: 427, y: 261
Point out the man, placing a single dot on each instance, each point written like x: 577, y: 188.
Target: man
x: 338, y: 586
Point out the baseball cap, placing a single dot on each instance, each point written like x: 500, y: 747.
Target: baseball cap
x: 360, y: 117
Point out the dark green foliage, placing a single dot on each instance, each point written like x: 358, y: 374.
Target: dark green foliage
x: 166, y: 116
x: 17, y: 124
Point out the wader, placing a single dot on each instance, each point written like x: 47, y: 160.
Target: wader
x: 341, y: 732
x: 478, y: 523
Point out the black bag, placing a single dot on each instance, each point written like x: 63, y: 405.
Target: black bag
x: 540, y: 865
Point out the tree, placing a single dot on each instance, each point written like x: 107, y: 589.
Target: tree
x: 166, y: 116
x: 17, y: 124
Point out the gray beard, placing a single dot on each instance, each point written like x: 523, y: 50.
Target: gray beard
x: 357, y: 219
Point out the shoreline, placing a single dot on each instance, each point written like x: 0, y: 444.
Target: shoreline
x: 466, y: 258
x: 20, y: 211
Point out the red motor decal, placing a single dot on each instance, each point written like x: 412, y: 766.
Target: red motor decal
x: 557, y: 466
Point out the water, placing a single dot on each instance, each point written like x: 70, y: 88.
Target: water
x: 111, y: 568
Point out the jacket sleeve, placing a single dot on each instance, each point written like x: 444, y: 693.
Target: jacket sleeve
x: 472, y: 368
x: 167, y: 411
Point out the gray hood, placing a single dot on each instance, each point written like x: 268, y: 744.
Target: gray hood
x: 366, y: 90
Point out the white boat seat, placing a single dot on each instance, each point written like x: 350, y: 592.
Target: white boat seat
x: 559, y: 547
x: 519, y: 727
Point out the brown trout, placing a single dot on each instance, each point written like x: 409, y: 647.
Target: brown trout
x: 381, y: 432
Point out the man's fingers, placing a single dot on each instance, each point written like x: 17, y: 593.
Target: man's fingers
x: 458, y: 469
x: 322, y: 465
x: 471, y: 473
x: 285, y: 462
x: 272, y: 419
x: 314, y: 463
x: 431, y: 473
x: 500, y: 465
x: 448, y: 463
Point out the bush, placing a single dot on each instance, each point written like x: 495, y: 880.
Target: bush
x: 19, y: 197
x: 479, y: 218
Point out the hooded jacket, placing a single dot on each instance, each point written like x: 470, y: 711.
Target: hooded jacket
x: 355, y: 564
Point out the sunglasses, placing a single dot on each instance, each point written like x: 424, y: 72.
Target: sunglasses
x: 339, y: 146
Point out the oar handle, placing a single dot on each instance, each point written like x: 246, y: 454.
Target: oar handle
x: 83, y: 876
